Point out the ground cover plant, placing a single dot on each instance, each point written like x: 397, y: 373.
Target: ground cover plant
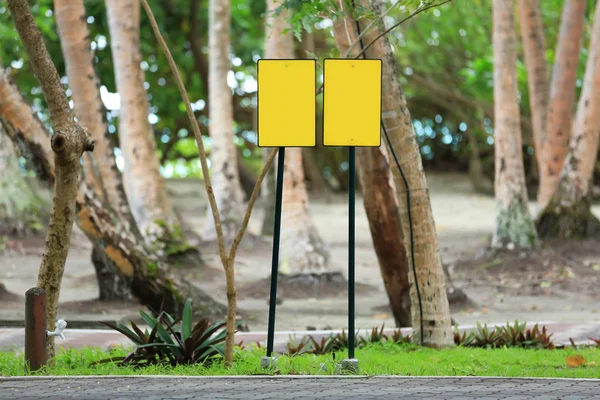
x: 383, y: 358
x: 171, y: 346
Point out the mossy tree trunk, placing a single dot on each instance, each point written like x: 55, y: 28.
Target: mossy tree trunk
x: 568, y: 214
x: 514, y: 226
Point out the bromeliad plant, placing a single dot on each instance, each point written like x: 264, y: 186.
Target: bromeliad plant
x: 172, y: 342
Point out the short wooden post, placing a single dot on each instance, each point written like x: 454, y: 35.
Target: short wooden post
x: 35, y: 329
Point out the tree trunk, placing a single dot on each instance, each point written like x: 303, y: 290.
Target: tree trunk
x: 223, y: 153
x: 71, y: 22
x: 145, y: 187
x: 381, y: 206
x: 534, y: 46
x: 562, y: 98
x: 432, y: 286
x: 514, y: 226
x: 130, y: 260
x: 21, y: 211
x: 68, y: 143
x: 303, y: 250
x: 568, y: 213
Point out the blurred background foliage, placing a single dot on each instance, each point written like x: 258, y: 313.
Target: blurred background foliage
x: 445, y: 56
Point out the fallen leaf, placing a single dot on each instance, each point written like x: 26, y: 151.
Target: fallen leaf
x: 575, y: 361
x: 381, y: 316
x: 484, y: 311
x: 470, y: 311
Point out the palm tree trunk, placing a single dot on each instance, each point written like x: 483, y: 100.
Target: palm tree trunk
x: 223, y: 153
x: 381, y: 206
x: 514, y: 226
x: 430, y: 274
x: 562, y: 98
x: 303, y: 249
x: 568, y: 213
x: 145, y: 187
x: 534, y: 46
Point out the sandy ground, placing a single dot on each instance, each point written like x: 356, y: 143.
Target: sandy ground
x: 464, y: 222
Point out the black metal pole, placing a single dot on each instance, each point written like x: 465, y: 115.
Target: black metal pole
x: 351, y: 272
x: 275, y: 259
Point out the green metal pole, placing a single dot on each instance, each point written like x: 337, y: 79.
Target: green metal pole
x: 351, y: 269
x: 275, y: 258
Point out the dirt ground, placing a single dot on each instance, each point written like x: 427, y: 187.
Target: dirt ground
x: 556, y: 282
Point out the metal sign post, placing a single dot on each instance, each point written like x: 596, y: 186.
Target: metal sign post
x: 351, y: 249
x: 275, y: 258
x: 351, y: 118
x: 286, y: 118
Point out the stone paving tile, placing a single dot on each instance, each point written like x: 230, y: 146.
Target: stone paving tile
x: 148, y: 388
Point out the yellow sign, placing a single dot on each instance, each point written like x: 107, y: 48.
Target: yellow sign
x: 352, y: 103
x: 286, y: 103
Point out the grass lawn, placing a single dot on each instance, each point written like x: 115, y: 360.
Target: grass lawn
x: 375, y: 359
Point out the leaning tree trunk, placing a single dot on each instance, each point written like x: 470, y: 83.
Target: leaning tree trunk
x: 145, y: 187
x: 72, y: 27
x: 381, y: 206
x: 144, y: 273
x: 69, y: 142
x: 534, y: 46
x: 430, y: 274
x: 568, y: 214
x: 303, y: 251
x: 514, y: 226
x: 21, y: 211
x: 223, y: 153
x: 562, y: 98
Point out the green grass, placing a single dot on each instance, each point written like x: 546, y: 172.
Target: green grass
x: 376, y: 359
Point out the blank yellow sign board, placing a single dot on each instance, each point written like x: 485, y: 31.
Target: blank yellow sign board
x: 352, y: 103
x: 286, y: 103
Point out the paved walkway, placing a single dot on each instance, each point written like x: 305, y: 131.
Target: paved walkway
x: 380, y: 388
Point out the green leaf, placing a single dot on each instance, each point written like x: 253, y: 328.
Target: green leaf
x: 186, y: 321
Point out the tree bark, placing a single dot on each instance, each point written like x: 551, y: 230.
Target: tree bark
x: 534, y: 46
x: 68, y: 143
x: 381, y: 206
x: 146, y: 276
x: 432, y: 286
x: 223, y: 154
x: 568, y: 214
x: 513, y: 222
x: 562, y: 98
x: 72, y: 27
x: 21, y: 211
x: 145, y: 187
